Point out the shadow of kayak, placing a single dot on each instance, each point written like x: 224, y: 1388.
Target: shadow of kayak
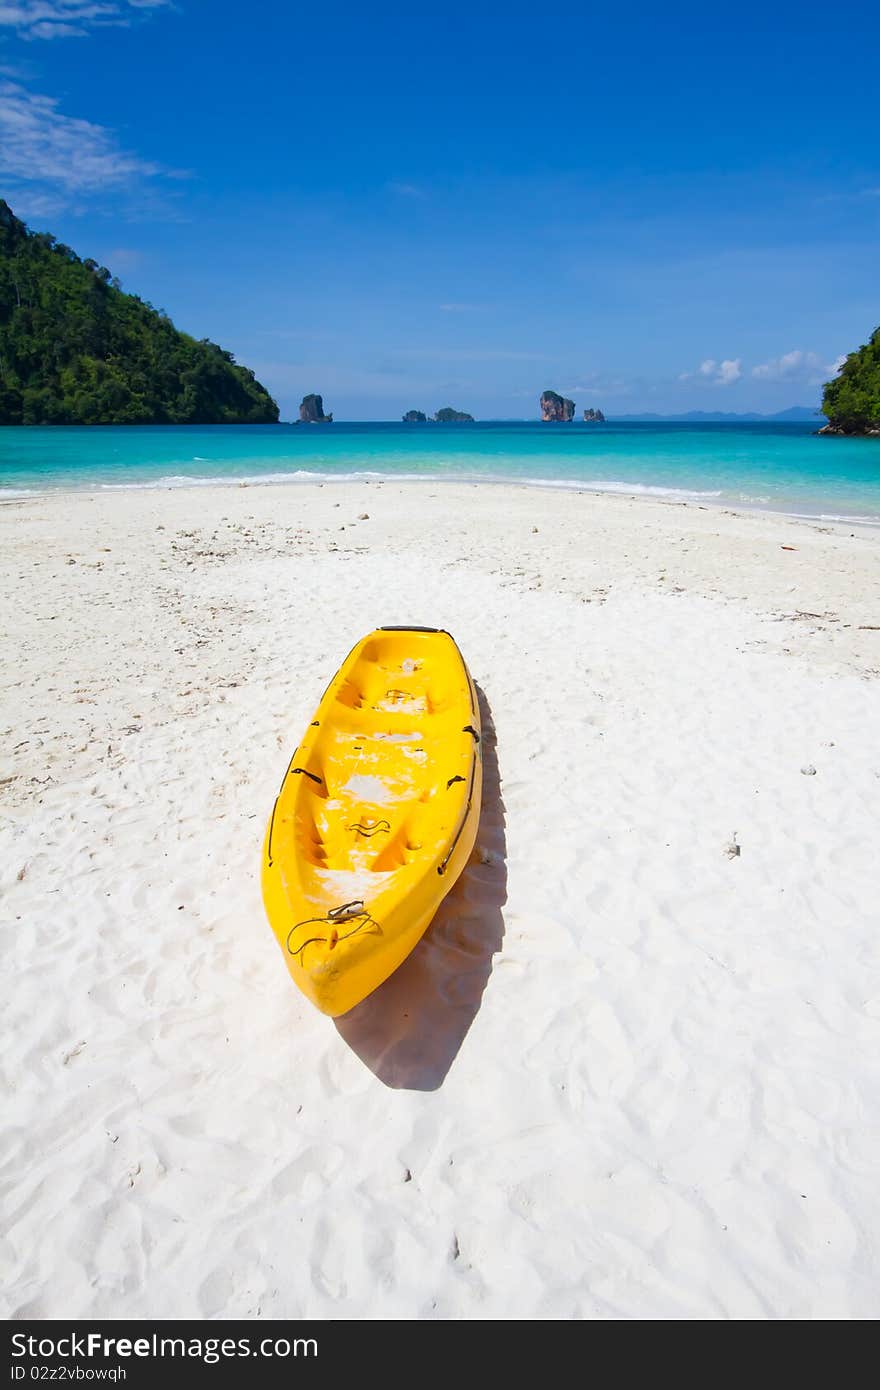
x: 409, y: 1030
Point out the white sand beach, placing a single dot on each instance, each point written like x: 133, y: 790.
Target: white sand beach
x: 632, y: 1070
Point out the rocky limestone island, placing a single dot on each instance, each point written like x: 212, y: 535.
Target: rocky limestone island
x: 556, y: 408
x: 594, y: 417
x: 852, y: 400
x: 415, y: 417
x: 447, y: 414
x: 311, y: 412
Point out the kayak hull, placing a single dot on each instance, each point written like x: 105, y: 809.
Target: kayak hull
x: 376, y: 816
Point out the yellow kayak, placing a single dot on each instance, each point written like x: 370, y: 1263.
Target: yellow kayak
x: 376, y: 816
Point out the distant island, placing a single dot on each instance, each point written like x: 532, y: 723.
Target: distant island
x: 594, y: 417
x: 311, y: 411
x: 76, y: 350
x: 852, y: 400
x: 720, y: 417
x: 556, y: 408
x: 444, y: 416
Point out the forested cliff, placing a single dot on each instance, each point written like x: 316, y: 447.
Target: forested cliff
x: 76, y: 350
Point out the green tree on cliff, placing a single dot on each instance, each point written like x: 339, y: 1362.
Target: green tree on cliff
x: 852, y: 400
x: 75, y: 350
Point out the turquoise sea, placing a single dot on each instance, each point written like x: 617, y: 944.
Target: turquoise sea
x: 784, y: 467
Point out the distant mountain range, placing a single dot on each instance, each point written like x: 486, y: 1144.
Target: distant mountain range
x: 795, y: 412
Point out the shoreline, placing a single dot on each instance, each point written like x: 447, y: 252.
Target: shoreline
x: 842, y: 432
x: 638, y: 492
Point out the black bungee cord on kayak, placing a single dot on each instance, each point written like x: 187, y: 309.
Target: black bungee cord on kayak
x: 346, y: 912
x: 368, y: 829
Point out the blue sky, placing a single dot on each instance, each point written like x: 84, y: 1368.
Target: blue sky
x: 647, y: 207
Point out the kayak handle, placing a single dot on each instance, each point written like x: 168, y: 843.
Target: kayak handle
x: 303, y: 772
x: 441, y: 867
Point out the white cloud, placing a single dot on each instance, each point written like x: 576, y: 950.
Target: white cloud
x: 798, y: 365
x: 595, y: 388
x: 39, y: 145
x: 47, y: 158
x: 789, y: 364
x: 58, y: 19
x: 454, y: 354
x: 730, y: 371
x: 405, y: 190
x: 31, y: 205
x: 124, y: 258
x: 723, y: 373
